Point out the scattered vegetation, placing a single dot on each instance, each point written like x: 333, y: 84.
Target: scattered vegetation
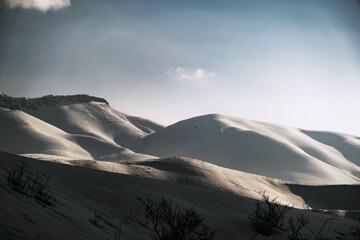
x: 268, y: 215
x: 18, y: 177
x: 39, y: 187
x: 168, y: 221
x: 22, y: 180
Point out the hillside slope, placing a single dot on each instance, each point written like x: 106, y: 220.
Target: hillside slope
x: 266, y: 149
x: 77, y: 127
x: 83, y: 114
x: 24, y: 134
x: 80, y: 191
x: 86, y: 127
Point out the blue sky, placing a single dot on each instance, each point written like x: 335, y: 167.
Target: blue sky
x: 283, y: 61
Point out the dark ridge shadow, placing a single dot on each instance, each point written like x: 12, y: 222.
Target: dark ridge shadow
x: 329, y: 197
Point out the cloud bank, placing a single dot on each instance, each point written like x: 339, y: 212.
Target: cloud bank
x: 41, y: 5
x: 199, y: 76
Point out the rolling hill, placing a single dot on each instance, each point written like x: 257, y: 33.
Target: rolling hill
x: 75, y: 126
x: 84, y: 127
x: 262, y: 148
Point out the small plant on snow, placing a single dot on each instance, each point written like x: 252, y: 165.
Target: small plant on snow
x: 168, y: 221
x: 18, y: 176
x: 39, y: 188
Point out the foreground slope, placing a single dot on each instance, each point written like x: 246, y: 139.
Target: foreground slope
x: 79, y: 191
x: 266, y: 149
x: 83, y: 122
x: 193, y: 172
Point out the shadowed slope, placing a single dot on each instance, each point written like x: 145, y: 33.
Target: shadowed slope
x: 346, y: 197
x: 348, y: 145
x: 80, y: 191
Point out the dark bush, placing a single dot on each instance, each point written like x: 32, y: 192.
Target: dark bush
x: 18, y: 176
x: 39, y: 188
x: 268, y: 215
x: 168, y: 221
x: 22, y: 180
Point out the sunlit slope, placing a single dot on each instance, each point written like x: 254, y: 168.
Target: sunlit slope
x: 22, y: 133
x: 266, y: 149
x: 193, y: 172
x: 89, y: 123
x: 83, y: 114
x: 197, y: 173
x: 25, y: 134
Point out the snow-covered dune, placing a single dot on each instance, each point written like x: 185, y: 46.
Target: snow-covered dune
x: 83, y: 114
x: 348, y: 145
x: 266, y: 149
x: 24, y: 134
x: 86, y: 127
x: 193, y: 172
x: 80, y: 191
x: 76, y: 127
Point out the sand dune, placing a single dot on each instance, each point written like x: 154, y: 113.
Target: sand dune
x: 267, y: 149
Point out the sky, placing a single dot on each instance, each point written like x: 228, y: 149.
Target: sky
x: 290, y: 62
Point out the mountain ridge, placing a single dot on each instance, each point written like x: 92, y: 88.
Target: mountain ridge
x: 104, y: 133
x: 22, y: 103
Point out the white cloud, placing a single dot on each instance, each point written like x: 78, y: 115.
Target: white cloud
x: 199, y: 76
x: 41, y: 5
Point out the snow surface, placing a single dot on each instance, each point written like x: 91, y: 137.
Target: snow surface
x: 102, y: 159
x: 222, y: 197
x: 86, y: 127
x: 262, y: 148
x: 75, y: 126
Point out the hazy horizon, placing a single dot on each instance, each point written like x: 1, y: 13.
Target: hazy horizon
x: 293, y: 63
